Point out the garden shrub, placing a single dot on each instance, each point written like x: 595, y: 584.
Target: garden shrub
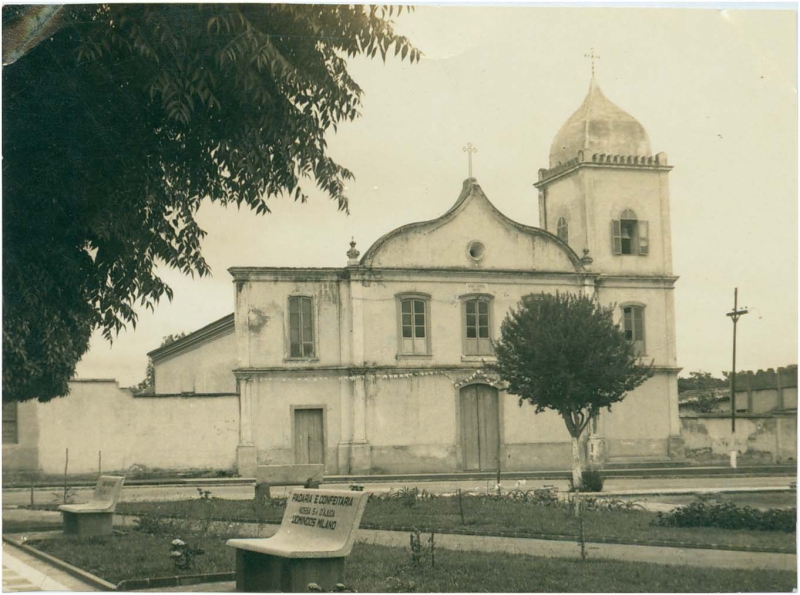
x: 591, y: 481
x: 729, y: 516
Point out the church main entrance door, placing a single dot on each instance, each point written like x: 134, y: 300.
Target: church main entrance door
x: 480, y: 428
x: 309, y: 437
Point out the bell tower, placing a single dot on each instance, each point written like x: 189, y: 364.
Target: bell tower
x: 605, y: 191
x: 607, y: 195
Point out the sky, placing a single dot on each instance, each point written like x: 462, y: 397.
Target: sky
x: 715, y: 89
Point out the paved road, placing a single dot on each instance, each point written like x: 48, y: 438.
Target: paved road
x: 22, y: 496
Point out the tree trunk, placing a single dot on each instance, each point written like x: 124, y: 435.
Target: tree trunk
x: 576, y: 463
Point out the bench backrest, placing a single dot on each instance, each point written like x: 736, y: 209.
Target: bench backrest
x: 289, y: 475
x: 106, y: 492
x: 328, y: 519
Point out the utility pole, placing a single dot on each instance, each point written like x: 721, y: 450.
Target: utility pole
x: 735, y: 314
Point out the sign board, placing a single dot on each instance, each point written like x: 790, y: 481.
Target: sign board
x: 107, y: 490
x: 316, y: 524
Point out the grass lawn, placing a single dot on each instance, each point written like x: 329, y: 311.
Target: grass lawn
x: 137, y: 555
x: 487, y: 516
x: 373, y: 569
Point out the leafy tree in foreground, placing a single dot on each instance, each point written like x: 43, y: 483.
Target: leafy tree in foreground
x: 564, y: 352
x: 118, y: 120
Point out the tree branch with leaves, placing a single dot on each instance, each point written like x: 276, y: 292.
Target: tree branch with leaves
x: 120, y: 121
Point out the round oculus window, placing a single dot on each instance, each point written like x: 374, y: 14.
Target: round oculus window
x: 476, y: 251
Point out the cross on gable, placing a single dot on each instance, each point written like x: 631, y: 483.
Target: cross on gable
x: 469, y: 150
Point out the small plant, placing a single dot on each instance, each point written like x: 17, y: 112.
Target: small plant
x: 419, y: 551
x: 183, y: 554
x: 204, y: 494
x: 408, y: 496
x: 65, y: 496
x: 546, y: 496
x: 416, y: 548
x: 591, y: 481
x: 354, y: 487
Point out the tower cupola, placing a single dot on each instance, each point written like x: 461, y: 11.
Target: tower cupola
x: 599, y: 127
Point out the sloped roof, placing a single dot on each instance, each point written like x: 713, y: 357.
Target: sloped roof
x: 218, y: 328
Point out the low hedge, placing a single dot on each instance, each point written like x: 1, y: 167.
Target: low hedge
x: 729, y: 516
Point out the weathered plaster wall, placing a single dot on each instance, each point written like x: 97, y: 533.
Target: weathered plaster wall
x: 533, y: 441
x: 274, y: 400
x: 156, y: 432
x: 412, y: 424
x: 208, y: 368
x: 262, y: 322
x: 758, y: 438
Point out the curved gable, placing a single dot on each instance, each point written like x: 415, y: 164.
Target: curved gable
x: 444, y: 242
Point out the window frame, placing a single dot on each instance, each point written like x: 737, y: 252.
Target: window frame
x: 478, y: 351
x: 13, y: 422
x: 402, y: 352
x: 562, y: 224
x: 641, y: 350
x: 314, y: 328
x: 638, y: 230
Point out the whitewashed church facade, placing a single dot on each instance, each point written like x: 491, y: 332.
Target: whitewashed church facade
x: 379, y: 366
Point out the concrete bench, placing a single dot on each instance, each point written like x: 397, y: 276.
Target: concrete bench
x: 286, y: 475
x: 316, y: 534
x: 96, y: 516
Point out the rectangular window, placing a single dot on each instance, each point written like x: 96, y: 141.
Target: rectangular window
x: 413, y: 327
x: 301, y: 327
x: 634, y: 327
x: 630, y: 236
x: 476, y: 327
x: 10, y: 428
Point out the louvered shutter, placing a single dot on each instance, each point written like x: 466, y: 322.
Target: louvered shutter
x: 616, y: 237
x: 644, y: 239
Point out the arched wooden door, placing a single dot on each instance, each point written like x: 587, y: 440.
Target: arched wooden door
x: 480, y: 427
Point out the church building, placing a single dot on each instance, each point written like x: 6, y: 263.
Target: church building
x: 380, y: 366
